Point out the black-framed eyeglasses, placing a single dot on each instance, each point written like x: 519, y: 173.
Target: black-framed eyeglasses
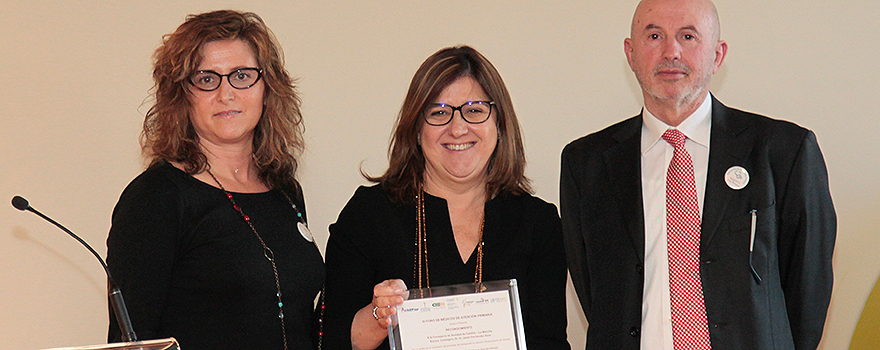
x: 242, y: 78
x: 473, y: 112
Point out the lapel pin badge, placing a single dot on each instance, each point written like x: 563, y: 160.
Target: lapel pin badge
x: 305, y: 232
x: 736, y: 177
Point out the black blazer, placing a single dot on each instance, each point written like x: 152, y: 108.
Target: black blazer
x: 603, y: 224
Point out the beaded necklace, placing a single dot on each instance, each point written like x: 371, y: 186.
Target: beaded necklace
x: 420, y: 267
x: 304, y: 230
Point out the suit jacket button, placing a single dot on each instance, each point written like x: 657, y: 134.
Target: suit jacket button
x: 634, y: 332
x: 639, y: 269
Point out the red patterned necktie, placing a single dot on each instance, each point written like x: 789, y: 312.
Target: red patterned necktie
x: 690, y: 329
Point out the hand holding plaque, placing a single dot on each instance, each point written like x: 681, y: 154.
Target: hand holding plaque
x: 467, y: 316
x: 369, y: 326
x: 386, y: 297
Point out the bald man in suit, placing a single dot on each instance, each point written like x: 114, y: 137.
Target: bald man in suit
x: 766, y: 221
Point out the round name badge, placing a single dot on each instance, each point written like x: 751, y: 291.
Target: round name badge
x: 736, y: 177
x: 304, y: 231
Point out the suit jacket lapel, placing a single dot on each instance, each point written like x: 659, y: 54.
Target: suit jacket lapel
x: 624, y: 167
x: 728, y: 147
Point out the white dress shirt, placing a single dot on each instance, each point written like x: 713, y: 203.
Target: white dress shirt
x: 656, y: 331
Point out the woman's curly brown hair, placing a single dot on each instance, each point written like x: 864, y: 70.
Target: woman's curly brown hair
x: 168, y: 134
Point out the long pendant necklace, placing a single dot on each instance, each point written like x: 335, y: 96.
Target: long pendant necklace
x: 268, y: 252
x: 420, y: 267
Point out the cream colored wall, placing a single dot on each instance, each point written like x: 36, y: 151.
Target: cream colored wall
x: 75, y: 76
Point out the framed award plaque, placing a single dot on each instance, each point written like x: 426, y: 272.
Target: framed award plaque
x: 482, y: 316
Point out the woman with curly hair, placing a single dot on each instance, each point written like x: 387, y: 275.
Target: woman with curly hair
x: 210, y: 244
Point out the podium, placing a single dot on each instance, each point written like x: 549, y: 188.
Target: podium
x: 156, y: 344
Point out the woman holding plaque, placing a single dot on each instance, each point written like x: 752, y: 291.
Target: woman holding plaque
x: 209, y: 244
x: 453, y: 207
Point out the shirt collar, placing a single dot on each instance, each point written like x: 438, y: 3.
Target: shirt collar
x: 696, y: 126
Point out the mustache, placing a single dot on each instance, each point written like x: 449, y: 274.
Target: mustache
x: 677, y: 65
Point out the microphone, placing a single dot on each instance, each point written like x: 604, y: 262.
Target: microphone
x: 115, y: 294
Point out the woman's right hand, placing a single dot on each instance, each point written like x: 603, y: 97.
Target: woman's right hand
x: 370, y: 325
x: 386, y: 296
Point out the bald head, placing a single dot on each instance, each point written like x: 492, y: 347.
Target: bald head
x: 674, y: 49
x: 703, y: 9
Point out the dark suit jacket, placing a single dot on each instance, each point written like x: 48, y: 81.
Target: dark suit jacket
x: 603, y: 223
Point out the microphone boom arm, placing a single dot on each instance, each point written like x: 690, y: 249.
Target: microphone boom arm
x: 115, y: 294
